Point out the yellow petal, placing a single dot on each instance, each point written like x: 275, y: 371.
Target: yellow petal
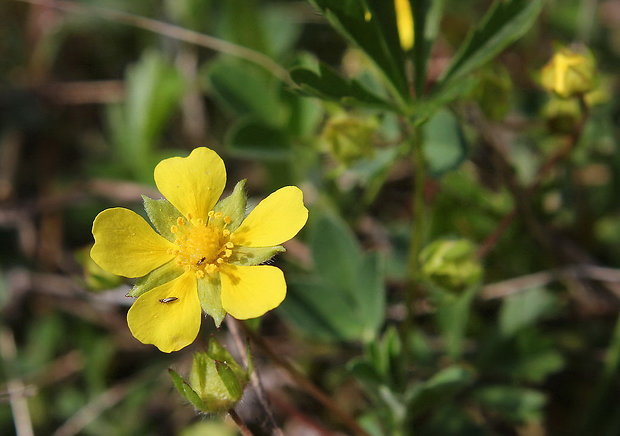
x: 192, y: 184
x: 274, y: 220
x: 250, y: 291
x: 172, y: 324
x: 126, y: 245
x: 404, y: 23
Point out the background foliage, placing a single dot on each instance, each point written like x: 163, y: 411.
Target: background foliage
x: 459, y: 272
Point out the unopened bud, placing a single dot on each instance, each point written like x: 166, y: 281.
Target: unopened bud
x: 349, y: 138
x: 216, y: 381
x: 569, y: 73
x: 451, y: 263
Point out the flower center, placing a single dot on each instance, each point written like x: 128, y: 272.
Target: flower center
x: 202, y: 247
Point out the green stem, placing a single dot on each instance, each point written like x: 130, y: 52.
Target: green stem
x: 416, y: 231
x: 610, y: 370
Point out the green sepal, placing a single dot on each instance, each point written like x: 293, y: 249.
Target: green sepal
x: 234, y: 206
x: 217, y: 378
x: 164, y: 274
x: 230, y: 380
x: 250, y: 256
x: 162, y: 214
x: 209, y: 294
x: 186, y: 391
x: 218, y: 353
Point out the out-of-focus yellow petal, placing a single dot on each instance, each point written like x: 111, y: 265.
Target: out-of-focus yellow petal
x: 167, y: 316
x: 274, y: 220
x: 192, y: 184
x: 126, y: 245
x: 250, y: 291
x: 404, y: 23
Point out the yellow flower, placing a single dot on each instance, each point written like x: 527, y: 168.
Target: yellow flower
x: 205, y: 255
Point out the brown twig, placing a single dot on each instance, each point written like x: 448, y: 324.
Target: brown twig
x: 15, y: 387
x: 235, y: 331
x: 171, y: 31
x: 245, y: 431
x: 303, y: 382
x: 520, y: 194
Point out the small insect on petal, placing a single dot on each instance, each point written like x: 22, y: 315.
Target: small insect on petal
x: 168, y: 300
x: 201, y: 261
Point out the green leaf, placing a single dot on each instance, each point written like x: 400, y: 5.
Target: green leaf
x: 348, y: 301
x: 153, y: 90
x: 517, y: 404
x: 164, y: 274
x: 162, y: 214
x: 336, y: 252
x: 321, y: 311
x: 444, y: 145
x: 252, y: 139
x: 505, y: 22
x: 524, y: 309
x: 209, y: 294
x: 453, y: 315
x: 245, y: 89
x: 234, y: 205
x: 249, y: 256
x: 373, y: 34
x: 329, y: 85
x: 370, y: 295
x: 438, y: 389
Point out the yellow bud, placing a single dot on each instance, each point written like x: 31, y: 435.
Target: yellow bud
x: 569, y: 73
x: 404, y: 23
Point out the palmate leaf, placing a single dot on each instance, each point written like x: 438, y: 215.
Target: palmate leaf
x: 368, y: 32
x: 503, y: 24
x: 347, y: 302
x: 328, y: 84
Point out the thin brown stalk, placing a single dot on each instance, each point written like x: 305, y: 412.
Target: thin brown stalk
x: 15, y: 387
x: 522, y: 194
x: 235, y: 331
x: 171, y: 31
x: 303, y: 382
x: 245, y: 431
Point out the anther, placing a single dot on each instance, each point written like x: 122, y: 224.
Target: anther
x: 211, y: 268
x: 219, y: 215
x: 200, y: 273
x: 180, y: 221
x: 199, y: 222
x: 226, y: 233
x: 220, y: 260
x: 227, y: 219
x: 174, y: 229
x: 227, y: 253
x: 211, y: 213
x: 229, y: 245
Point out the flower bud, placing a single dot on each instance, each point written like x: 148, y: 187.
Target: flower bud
x: 216, y: 381
x: 451, y: 263
x: 349, y: 138
x: 569, y: 73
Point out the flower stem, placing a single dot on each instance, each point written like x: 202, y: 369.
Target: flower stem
x: 235, y: 331
x: 416, y: 231
x: 303, y: 382
x: 245, y: 431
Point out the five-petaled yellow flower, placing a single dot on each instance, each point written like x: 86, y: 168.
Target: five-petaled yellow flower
x: 207, y: 253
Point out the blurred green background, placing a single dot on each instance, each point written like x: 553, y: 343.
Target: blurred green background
x: 473, y: 289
